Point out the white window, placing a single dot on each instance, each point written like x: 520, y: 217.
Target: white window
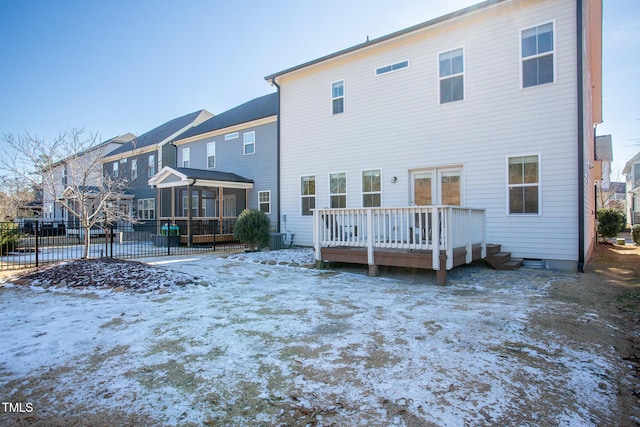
x: 308, y: 194
x: 451, y: 74
x: 233, y: 135
x: 264, y: 201
x: 249, y: 142
x: 371, y: 188
x: 152, y: 165
x: 64, y: 176
x: 186, y: 157
x: 337, y: 97
x: 392, y: 67
x: 134, y: 168
x: 147, y: 209
x: 537, y: 52
x: 211, y: 155
x: 115, y: 169
x: 524, y: 185
x: 338, y: 190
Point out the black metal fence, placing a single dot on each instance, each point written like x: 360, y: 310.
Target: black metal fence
x: 38, y: 242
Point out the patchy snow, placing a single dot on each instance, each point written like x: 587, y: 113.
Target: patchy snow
x: 253, y: 343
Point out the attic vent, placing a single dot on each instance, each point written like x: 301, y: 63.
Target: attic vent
x: 393, y: 67
x: 233, y: 135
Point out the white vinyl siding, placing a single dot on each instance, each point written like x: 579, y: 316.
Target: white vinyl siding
x: 399, y: 125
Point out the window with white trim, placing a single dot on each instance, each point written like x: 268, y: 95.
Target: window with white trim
x: 115, y: 169
x: 249, y: 142
x: 337, y: 97
x: 64, y: 175
x: 537, y: 52
x: 151, y: 165
x: 338, y: 190
x: 211, y: 155
x: 186, y: 157
x: 392, y: 67
x: 451, y: 74
x: 371, y: 188
x: 264, y: 201
x: 524, y: 185
x: 134, y: 168
x: 232, y: 135
x: 147, y: 208
x: 308, y: 194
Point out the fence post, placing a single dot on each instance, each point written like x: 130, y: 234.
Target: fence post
x: 214, y: 237
x: 111, y: 239
x: 168, y: 239
x: 35, y: 233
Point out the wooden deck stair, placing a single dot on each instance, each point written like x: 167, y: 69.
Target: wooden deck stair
x: 501, y: 260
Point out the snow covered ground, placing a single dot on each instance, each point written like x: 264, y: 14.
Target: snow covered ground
x: 260, y: 339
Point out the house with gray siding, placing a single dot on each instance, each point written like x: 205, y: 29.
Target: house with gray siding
x: 422, y: 147
x: 141, y: 158
x: 224, y: 165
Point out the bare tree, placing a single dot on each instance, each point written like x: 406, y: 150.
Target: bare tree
x: 69, y: 172
x: 15, y: 195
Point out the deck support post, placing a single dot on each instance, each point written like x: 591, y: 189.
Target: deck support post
x: 373, y: 270
x: 441, y: 274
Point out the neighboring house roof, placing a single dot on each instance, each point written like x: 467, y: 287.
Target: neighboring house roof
x: 627, y: 166
x: 121, y: 139
x: 175, y: 177
x: 382, y: 39
x: 618, y: 187
x: 258, y: 108
x: 164, y: 132
x: 604, y: 148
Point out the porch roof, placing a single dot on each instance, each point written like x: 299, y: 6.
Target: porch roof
x: 169, y: 177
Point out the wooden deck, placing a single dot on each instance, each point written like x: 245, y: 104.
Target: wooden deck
x: 398, y: 258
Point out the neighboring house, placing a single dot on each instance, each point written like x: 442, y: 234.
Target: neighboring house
x: 142, y: 157
x: 616, y: 197
x: 71, y: 172
x: 224, y: 165
x: 632, y: 172
x: 604, y: 157
x: 491, y: 107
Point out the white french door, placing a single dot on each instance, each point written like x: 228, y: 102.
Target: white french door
x: 437, y: 186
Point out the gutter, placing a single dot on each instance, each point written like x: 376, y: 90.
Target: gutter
x: 581, y: 181
x: 274, y: 83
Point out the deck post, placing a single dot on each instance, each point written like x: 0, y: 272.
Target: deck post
x: 373, y: 269
x: 441, y: 273
x: 448, y: 224
x: 435, y: 240
x: 317, y: 235
x: 468, y: 236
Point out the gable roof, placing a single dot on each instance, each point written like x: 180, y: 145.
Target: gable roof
x: 177, y: 177
x: 258, y: 108
x: 163, y: 132
x: 630, y: 162
x: 369, y: 43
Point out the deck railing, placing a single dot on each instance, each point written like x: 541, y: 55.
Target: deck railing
x: 434, y: 228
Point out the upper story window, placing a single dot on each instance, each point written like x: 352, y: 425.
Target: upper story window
x: 64, y: 176
x: 371, y: 188
x: 249, y: 142
x: 308, y: 194
x: 134, y: 168
x: 115, y: 169
x: 152, y: 165
x: 338, y: 190
x: 393, y: 67
x: 232, y: 135
x: 337, y: 97
x: 524, y: 185
x: 451, y: 74
x: 211, y: 155
x: 186, y: 157
x: 537, y: 52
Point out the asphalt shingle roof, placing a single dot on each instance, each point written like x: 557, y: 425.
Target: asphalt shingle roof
x: 258, y: 108
x: 211, y: 175
x: 158, y: 134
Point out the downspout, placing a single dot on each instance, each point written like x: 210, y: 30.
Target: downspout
x: 273, y: 82
x: 581, y: 181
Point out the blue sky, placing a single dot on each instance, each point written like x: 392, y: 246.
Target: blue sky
x: 115, y: 66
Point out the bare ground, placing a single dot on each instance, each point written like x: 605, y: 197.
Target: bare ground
x: 608, y: 290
